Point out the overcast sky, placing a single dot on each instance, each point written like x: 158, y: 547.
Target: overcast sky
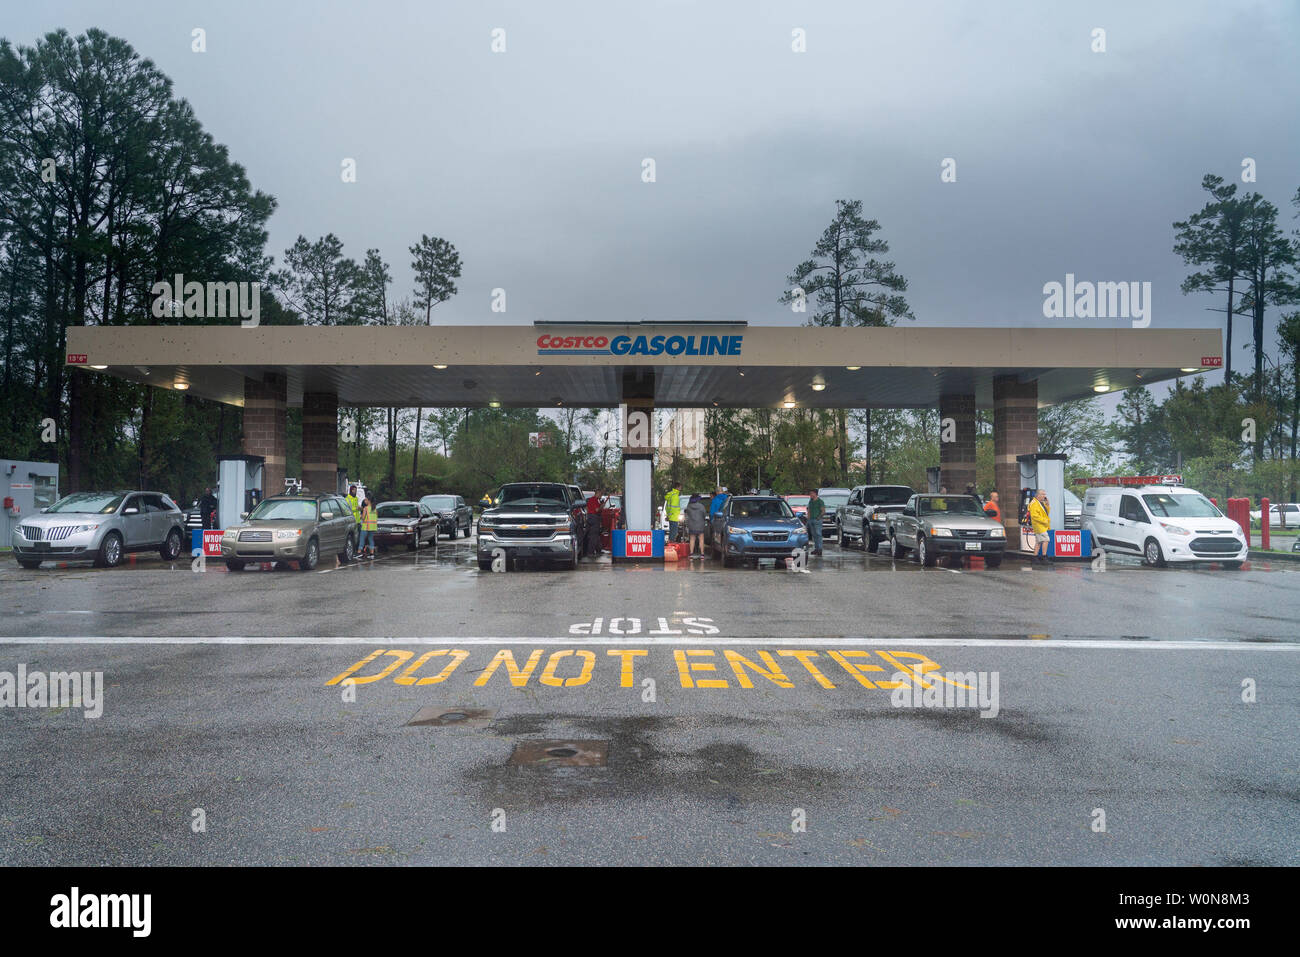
x: 530, y: 161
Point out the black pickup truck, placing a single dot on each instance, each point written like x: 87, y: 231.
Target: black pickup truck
x: 865, y: 515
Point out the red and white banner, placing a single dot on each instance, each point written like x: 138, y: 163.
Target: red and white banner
x: 640, y: 544
x: 1067, y: 544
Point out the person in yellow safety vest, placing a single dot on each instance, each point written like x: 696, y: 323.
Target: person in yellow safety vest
x: 369, y: 525
x: 1039, y: 512
x: 354, y: 504
x: 673, y: 506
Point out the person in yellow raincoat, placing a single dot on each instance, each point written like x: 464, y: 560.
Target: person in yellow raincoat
x: 1040, y: 518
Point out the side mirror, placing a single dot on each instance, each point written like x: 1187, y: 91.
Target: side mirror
x: 131, y: 511
x: 243, y: 516
x: 326, y: 515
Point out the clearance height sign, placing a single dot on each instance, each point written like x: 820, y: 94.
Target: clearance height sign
x: 625, y: 667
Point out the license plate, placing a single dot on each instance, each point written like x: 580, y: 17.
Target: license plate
x: 972, y: 546
x: 41, y: 546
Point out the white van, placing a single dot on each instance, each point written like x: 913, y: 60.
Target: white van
x: 1162, y: 523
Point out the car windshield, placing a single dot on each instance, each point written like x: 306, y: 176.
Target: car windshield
x: 397, y: 510
x: 541, y: 496
x: 761, y: 508
x: 950, y: 505
x: 284, y: 510
x: 439, y: 501
x: 1166, y: 505
x: 104, y: 503
x: 796, y: 500
x: 834, y: 500
x: 886, y: 495
x: 1072, y: 500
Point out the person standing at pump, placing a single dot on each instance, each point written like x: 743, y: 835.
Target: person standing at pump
x: 991, y: 508
x: 593, y: 524
x: 696, y: 521
x: 1040, y: 518
x: 369, y: 525
x: 208, y: 508
x: 673, y: 506
x: 354, y: 504
x: 816, y: 509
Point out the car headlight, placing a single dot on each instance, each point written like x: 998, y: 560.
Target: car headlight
x: 287, y: 534
x: 229, y: 533
x: 1174, y: 529
x: 941, y: 532
x: 487, y: 522
x: 733, y: 530
x: 85, y: 528
x: 998, y: 532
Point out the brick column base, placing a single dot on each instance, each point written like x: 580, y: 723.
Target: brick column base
x: 264, y: 428
x: 957, y: 458
x: 1015, y: 432
x: 320, y: 441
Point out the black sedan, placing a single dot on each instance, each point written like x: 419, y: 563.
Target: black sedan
x: 405, y: 523
x: 454, y: 514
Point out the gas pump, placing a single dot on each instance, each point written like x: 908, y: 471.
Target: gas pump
x: 932, y: 479
x: 1047, y: 471
x: 241, y: 488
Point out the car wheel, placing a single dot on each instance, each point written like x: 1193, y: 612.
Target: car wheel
x: 312, y: 556
x: 29, y: 562
x: 896, y: 549
x: 572, y: 563
x: 349, y: 553
x: 726, y: 561
x: 923, y: 554
x: 234, y: 566
x: 992, y: 561
x: 171, y: 548
x: 1152, y: 554
x: 110, y: 551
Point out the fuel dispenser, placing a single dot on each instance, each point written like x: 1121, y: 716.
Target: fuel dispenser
x: 241, y: 487
x: 1047, y: 471
x: 932, y: 479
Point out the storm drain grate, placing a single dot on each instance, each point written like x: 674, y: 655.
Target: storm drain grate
x: 448, y: 716
x: 563, y: 753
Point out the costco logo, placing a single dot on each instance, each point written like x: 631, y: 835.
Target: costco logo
x: 639, y: 345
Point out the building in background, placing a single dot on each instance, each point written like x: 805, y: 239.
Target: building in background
x: 682, y: 435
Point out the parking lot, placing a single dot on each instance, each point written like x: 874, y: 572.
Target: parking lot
x: 667, y: 713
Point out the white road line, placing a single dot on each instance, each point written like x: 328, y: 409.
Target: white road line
x: 691, y: 640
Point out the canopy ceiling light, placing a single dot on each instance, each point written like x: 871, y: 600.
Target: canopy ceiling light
x: 182, y: 386
x: 853, y: 368
x: 495, y: 404
x: 1101, y: 387
x: 1190, y: 369
x: 440, y: 367
x: 99, y: 367
x: 818, y: 383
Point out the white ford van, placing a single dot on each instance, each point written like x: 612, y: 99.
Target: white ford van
x: 1162, y: 523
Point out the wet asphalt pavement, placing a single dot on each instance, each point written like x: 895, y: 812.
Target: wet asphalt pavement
x: 736, y: 716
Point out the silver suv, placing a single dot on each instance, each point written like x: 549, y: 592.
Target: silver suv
x: 292, y: 528
x: 100, y: 527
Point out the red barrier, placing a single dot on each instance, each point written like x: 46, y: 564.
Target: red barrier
x: 1263, y: 522
x: 1239, y: 512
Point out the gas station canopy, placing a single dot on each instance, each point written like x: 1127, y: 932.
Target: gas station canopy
x: 731, y: 365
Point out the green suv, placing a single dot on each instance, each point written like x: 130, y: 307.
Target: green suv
x: 292, y: 528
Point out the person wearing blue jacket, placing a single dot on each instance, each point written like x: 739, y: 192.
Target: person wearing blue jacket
x: 719, y: 500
